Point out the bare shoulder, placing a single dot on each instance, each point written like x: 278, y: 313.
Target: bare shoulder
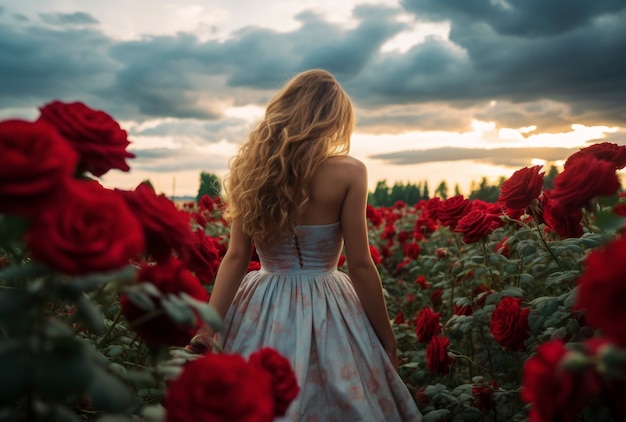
x: 344, y: 164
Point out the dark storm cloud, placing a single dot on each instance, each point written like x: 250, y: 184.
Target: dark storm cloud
x: 78, y: 18
x: 550, y: 63
x: 38, y: 64
x: 521, y: 50
x: 526, y: 18
x: 165, y: 160
x: 510, y: 157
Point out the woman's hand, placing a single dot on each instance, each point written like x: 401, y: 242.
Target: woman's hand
x: 202, y: 342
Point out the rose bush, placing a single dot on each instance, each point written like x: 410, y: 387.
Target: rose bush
x: 530, y: 309
x: 100, y: 287
x: 507, y: 311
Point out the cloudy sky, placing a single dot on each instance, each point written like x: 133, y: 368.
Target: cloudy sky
x: 451, y: 90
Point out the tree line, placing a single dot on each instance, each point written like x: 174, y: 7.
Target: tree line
x: 410, y: 193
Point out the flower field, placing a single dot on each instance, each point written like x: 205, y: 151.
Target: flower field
x: 504, y: 311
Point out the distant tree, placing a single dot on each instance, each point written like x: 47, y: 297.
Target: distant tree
x: 442, y: 190
x: 457, y: 189
x: 209, y: 185
x: 548, y: 178
x: 425, y: 193
x: 485, y: 191
x: 380, y: 196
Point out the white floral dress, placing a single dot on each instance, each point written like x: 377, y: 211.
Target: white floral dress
x: 301, y: 305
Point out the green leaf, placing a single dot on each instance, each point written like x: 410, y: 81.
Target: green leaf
x: 207, y: 313
x: 65, y: 370
x: 13, y: 301
x: 14, y: 367
x: 109, y: 394
x: 90, y: 314
x: 178, y: 310
x: 12, y: 228
x: 609, y: 221
x: 26, y: 271
x: 436, y: 415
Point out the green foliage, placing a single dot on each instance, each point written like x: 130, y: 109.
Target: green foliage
x: 209, y: 185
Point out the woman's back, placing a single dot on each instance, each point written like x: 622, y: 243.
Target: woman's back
x: 328, y: 190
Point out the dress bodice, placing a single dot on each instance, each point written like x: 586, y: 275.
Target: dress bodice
x: 314, y: 248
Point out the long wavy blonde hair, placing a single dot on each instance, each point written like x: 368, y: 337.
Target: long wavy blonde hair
x: 310, y: 119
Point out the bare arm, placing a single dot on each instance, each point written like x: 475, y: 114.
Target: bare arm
x: 229, y: 276
x: 361, y: 267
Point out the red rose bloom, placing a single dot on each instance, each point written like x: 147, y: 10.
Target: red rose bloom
x: 427, y: 325
x: 509, y: 324
x: 98, y: 139
x: 437, y: 358
x: 503, y: 248
x: 601, y: 290
x: 584, y: 179
x: 399, y: 318
x: 253, y: 266
x: 483, y: 395
x: 204, y: 256
x: 170, y: 277
x: 220, y: 388
x: 86, y: 229
x: 166, y: 227
x: 284, y: 383
x: 477, y: 224
x: 604, y: 151
x: 375, y: 254
x: 555, y: 393
x: 453, y: 209
x: 35, y: 162
x: 374, y: 216
x: 518, y: 191
x: 412, y: 250
x: 564, y: 220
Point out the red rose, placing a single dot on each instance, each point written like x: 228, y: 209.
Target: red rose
x: 584, y: 179
x: 170, y: 277
x: 437, y: 358
x: 86, y: 229
x: 435, y: 296
x: 166, y: 227
x: 253, y: 266
x: 555, y: 393
x: 35, y: 162
x: 403, y: 236
x: 427, y: 325
x: 341, y: 261
x: 601, y: 289
x: 604, y: 151
x: 98, y: 139
x: 518, y: 191
x: 509, y: 324
x: 433, y: 206
x: 503, y: 248
x: 477, y: 224
x: 399, y: 318
x: 284, y: 383
x: 463, y: 310
x: 483, y: 395
x: 204, y: 256
x: 422, y: 282
x: 561, y: 218
x: 412, y: 250
x: 374, y: 216
x: 220, y: 388
x: 453, y: 209
x: 375, y: 254
x: 479, y: 294
x: 206, y: 203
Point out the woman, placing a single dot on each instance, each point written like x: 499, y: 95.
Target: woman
x: 295, y: 194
